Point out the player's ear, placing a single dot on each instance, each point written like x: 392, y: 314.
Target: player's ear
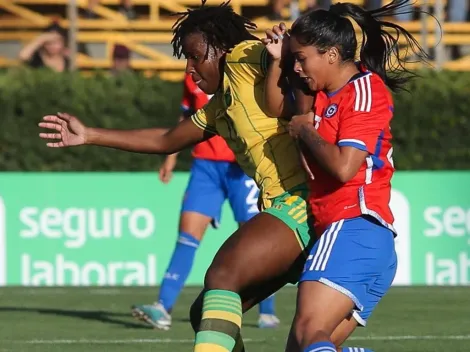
x: 333, y: 55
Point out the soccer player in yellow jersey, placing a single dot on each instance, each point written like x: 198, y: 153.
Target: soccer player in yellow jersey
x: 267, y: 252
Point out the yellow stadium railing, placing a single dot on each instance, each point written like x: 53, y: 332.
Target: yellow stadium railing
x: 25, y: 13
x: 25, y: 22
x: 152, y: 59
x: 22, y: 15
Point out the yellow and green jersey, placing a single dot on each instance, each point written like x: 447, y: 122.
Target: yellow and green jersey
x: 261, y: 144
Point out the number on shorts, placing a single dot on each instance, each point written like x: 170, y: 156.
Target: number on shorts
x: 251, y: 198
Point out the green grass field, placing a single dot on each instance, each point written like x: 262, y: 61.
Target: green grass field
x: 98, y: 319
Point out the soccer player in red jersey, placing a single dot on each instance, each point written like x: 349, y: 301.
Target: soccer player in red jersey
x: 346, y: 142
x: 215, y: 177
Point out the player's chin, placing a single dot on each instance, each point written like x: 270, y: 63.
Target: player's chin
x: 204, y: 86
x: 211, y: 90
x: 312, y: 84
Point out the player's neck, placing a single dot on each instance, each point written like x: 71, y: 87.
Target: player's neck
x: 342, y: 77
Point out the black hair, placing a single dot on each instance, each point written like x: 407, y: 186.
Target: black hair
x: 221, y: 27
x: 379, y: 51
x: 55, y: 27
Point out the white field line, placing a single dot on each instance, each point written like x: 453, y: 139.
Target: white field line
x: 409, y: 337
x: 188, y: 341
x: 114, y: 342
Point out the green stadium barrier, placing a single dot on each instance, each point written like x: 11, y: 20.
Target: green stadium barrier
x: 60, y: 229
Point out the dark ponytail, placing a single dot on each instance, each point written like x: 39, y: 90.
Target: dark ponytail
x: 379, y: 50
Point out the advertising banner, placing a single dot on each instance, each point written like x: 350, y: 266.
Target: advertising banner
x: 61, y: 229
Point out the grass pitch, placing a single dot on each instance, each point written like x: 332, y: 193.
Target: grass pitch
x: 417, y: 319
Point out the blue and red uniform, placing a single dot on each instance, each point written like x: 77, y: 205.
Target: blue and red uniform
x: 215, y: 175
x: 355, y: 253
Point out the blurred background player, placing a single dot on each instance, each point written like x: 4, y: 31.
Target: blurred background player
x: 215, y: 177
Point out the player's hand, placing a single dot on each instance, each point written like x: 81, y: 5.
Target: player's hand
x: 166, y: 170
x: 68, y: 130
x: 277, y: 41
x: 298, y: 121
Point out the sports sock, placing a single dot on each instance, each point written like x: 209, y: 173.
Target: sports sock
x: 356, y: 349
x: 221, y: 322
x: 324, y: 346
x: 178, y: 270
x: 239, y: 346
x: 267, y: 306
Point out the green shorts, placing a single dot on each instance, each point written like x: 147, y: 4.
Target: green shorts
x: 292, y: 208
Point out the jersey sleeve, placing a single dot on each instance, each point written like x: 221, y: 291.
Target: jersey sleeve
x: 205, y: 118
x: 365, y: 117
x: 248, y: 60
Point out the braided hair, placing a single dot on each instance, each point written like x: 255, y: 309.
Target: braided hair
x: 220, y: 26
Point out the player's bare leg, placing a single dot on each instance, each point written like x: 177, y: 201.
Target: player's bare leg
x: 251, y: 296
x: 193, y: 225
x: 338, y: 337
x: 249, y: 299
x: 321, y: 309
x: 267, y: 319
x: 263, y: 249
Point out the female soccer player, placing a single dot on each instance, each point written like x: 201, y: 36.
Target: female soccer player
x: 347, y: 142
x: 215, y: 177
x: 265, y: 253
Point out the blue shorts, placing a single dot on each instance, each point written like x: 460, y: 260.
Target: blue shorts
x: 212, y: 182
x: 356, y: 257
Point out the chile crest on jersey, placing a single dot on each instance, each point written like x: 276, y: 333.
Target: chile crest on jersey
x: 331, y: 110
x: 327, y: 114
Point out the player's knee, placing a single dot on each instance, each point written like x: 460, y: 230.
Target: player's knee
x: 221, y: 277
x: 309, y: 330
x: 343, y: 331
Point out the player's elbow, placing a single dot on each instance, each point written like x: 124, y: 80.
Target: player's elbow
x: 169, y: 150
x: 348, y: 164
x: 164, y: 146
x: 159, y: 142
x: 273, y: 109
x: 344, y: 173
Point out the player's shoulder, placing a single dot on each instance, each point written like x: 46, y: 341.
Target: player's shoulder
x: 245, y: 50
x: 248, y: 52
x: 367, y: 91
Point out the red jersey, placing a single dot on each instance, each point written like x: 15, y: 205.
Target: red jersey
x: 215, y: 148
x: 358, y: 115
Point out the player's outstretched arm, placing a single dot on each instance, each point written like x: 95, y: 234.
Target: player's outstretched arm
x: 69, y: 131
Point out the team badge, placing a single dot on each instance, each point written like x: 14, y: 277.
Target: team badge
x: 331, y: 110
